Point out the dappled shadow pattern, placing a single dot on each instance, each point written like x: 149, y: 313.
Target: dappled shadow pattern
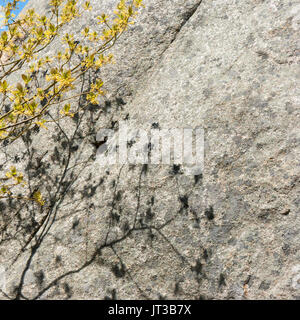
x: 56, y: 171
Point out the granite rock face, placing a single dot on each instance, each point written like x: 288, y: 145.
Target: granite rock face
x: 152, y: 232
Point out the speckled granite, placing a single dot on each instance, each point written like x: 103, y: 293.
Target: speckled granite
x: 136, y: 232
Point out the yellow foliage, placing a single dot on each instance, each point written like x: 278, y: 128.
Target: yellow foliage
x: 22, y: 43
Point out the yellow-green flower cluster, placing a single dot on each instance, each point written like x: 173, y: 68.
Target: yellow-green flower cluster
x: 22, y: 44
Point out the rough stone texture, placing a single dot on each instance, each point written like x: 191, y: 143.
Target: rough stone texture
x: 231, y: 67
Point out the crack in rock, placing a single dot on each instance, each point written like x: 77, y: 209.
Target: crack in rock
x: 186, y: 17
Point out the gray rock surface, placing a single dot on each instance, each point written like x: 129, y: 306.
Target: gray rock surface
x: 231, y: 67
